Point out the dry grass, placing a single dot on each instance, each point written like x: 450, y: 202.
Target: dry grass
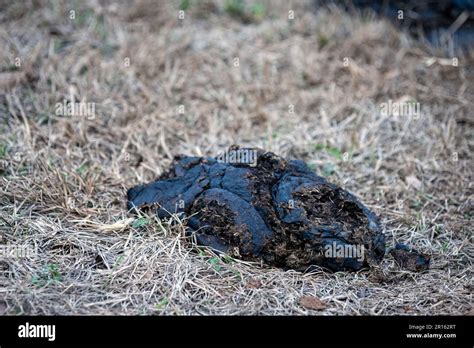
x: 63, y: 183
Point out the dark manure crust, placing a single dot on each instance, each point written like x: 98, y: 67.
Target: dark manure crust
x: 271, y: 209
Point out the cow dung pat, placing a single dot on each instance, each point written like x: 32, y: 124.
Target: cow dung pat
x: 254, y: 205
x: 409, y: 258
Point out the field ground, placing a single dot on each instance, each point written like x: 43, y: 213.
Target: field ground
x: 163, y: 86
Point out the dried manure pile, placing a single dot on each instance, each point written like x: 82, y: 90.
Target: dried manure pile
x: 254, y: 205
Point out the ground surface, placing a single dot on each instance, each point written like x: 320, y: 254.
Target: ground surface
x: 164, y: 86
